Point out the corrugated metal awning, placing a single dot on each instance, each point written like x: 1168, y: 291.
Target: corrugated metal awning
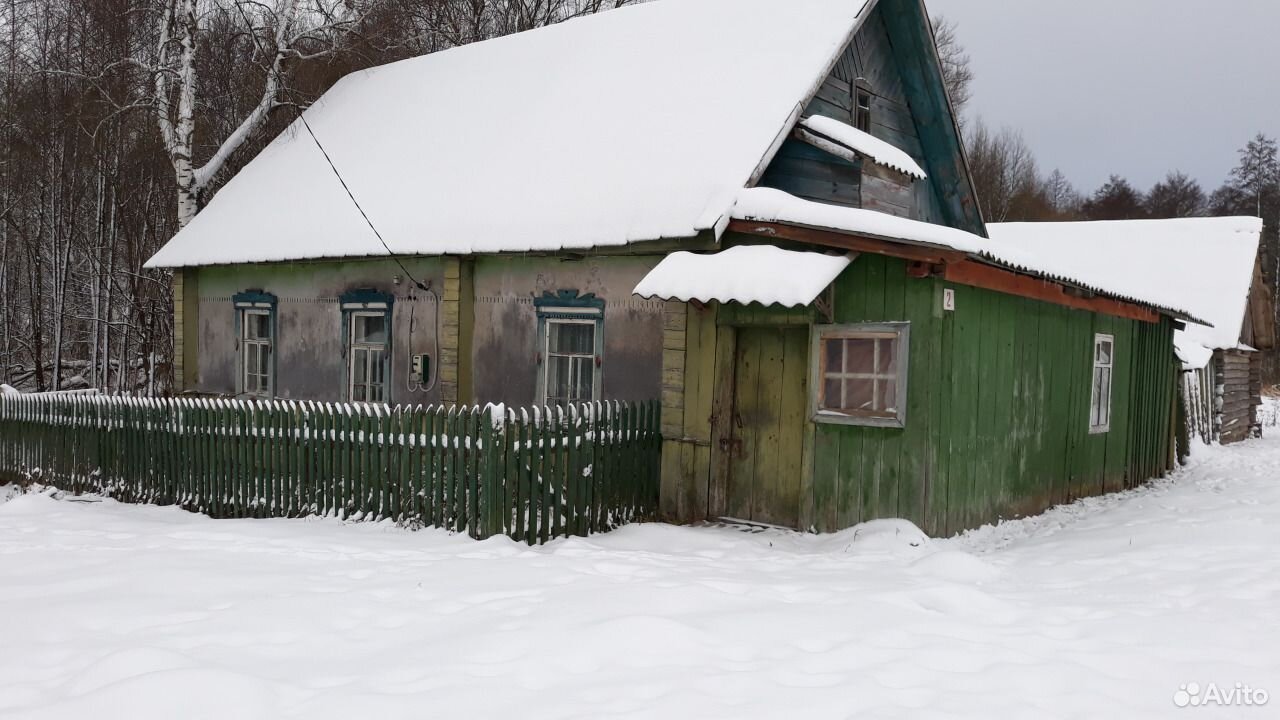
x: 746, y: 274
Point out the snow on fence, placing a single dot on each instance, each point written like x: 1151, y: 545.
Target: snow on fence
x: 532, y: 474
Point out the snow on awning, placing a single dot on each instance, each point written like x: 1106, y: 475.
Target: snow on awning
x: 822, y: 131
x: 749, y: 273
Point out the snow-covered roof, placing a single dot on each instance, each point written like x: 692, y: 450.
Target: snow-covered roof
x: 865, y: 144
x: 1201, y: 265
x: 1197, y: 268
x: 578, y: 135
x: 749, y: 273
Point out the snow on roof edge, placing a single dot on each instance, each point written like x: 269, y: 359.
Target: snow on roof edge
x: 770, y: 205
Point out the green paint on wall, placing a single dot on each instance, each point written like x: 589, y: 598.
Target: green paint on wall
x: 999, y: 398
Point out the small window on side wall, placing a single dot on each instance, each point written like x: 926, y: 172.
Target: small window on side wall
x: 1104, y: 348
x: 859, y: 374
x: 255, y: 338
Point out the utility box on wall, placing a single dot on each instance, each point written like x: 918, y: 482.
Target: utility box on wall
x: 421, y: 369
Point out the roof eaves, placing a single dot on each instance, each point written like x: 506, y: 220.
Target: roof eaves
x: 1174, y: 313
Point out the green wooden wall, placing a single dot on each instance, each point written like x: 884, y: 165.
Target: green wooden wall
x: 998, y: 414
x: 998, y: 408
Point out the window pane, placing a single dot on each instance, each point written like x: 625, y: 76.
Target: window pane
x: 572, y: 338
x: 888, y: 350
x: 834, y: 350
x: 1095, y: 406
x: 1104, y: 398
x: 861, y: 395
x: 359, y: 366
x: 377, y: 367
x: 831, y: 399
x: 264, y: 355
x: 371, y: 329
x: 257, y: 326
x: 860, y: 356
x: 557, y: 379
x: 586, y: 379
x: 888, y: 395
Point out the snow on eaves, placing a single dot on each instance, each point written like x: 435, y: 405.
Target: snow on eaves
x: 1051, y: 255
x: 1201, y: 265
x: 576, y: 135
x: 865, y: 144
x: 745, y: 274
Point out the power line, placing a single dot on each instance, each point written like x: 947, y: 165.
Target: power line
x: 257, y: 42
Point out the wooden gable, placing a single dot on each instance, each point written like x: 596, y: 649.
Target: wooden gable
x: 892, y: 58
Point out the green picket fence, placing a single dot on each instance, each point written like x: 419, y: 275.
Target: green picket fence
x: 532, y: 474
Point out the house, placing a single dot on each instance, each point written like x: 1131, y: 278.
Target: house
x: 758, y: 211
x: 1211, y: 267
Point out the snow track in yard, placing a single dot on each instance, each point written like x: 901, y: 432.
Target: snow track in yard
x: 1100, y: 609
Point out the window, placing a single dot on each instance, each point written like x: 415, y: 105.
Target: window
x: 367, y: 338
x: 368, y: 364
x: 570, y: 361
x: 1104, y: 347
x: 570, y: 332
x: 860, y: 374
x: 255, y: 335
x: 862, y: 109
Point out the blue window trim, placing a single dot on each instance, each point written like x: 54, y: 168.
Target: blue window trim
x: 254, y: 300
x: 569, y: 304
x: 366, y: 300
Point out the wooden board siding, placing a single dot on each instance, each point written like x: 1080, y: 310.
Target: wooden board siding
x: 998, y: 409
x: 810, y: 173
x: 807, y: 172
x: 998, y: 403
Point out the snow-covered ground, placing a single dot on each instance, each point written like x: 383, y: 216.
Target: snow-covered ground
x: 1101, y: 609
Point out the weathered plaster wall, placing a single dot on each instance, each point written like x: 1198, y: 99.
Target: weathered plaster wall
x: 310, y: 362
x: 506, y: 325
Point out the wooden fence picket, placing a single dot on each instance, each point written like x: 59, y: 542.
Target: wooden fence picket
x: 534, y: 474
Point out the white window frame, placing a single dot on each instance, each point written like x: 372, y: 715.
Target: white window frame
x: 383, y: 347
x: 818, y: 375
x: 261, y: 345
x: 593, y: 358
x: 1101, y: 381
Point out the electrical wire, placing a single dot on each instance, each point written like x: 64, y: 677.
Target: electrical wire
x: 257, y: 42
x: 435, y: 366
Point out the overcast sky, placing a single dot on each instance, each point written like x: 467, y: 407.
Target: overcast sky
x: 1133, y: 87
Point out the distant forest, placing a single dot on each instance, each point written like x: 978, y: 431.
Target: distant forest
x: 119, y: 119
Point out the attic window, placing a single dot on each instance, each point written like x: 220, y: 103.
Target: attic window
x: 862, y: 109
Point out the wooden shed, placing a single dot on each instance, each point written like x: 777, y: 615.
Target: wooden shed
x: 942, y: 377
x: 1222, y: 386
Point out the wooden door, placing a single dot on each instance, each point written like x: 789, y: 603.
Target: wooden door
x: 764, y: 447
